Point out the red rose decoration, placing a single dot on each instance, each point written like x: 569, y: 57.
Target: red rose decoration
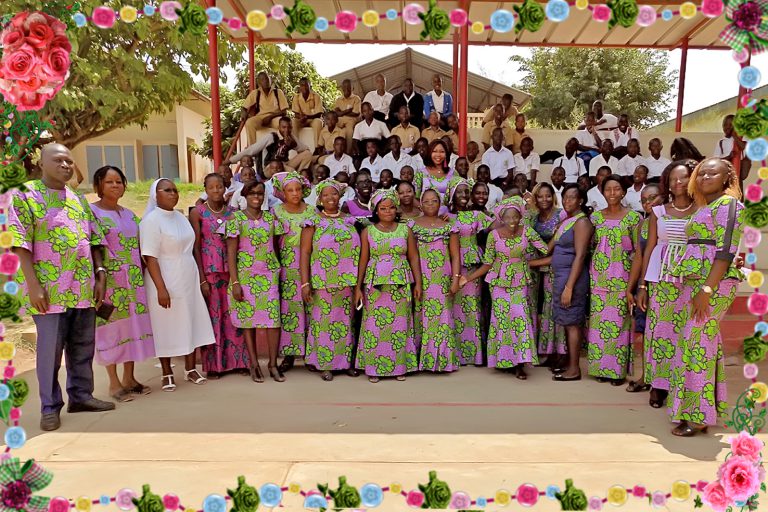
x: 20, y: 64
x: 12, y: 39
x: 56, y: 63
x: 40, y: 35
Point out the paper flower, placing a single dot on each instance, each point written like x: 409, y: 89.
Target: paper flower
x: 530, y: 16
x: 437, y: 494
x: 572, y: 498
x: 193, y: 19
x: 740, y: 478
x: 712, y: 8
x: 436, y: 22
x: 302, y: 18
x: 168, y: 10
x: 415, y: 499
x: 103, y: 17
x: 623, y: 12
x: 12, y: 176
x: 345, y: 496
x: 18, y: 483
x: 19, y: 391
x: 601, y: 13
x: 245, y: 498
x: 755, y: 348
x: 459, y: 17
x: 754, y: 193
x: 748, y: 25
x: 149, y: 501
x: 756, y: 214
x: 346, y: 21
x: 9, y: 307
x: 646, y: 16
x: 750, y: 124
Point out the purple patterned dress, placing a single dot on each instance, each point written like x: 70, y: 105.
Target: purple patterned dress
x: 386, y: 347
x: 511, y: 338
x: 550, y: 336
x: 423, y: 180
x: 433, y: 318
x: 335, y: 255
x: 127, y: 335
x: 697, y: 390
x: 609, y: 332
x: 229, y: 352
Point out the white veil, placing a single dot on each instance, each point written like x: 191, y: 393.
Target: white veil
x: 152, y: 202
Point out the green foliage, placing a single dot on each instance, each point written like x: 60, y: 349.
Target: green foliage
x: 565, y: 82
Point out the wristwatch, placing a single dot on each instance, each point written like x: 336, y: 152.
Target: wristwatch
x: 706, y: 289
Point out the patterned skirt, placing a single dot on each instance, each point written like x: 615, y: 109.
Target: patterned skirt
x: 609, y: 335
x: 697, y: 390
x: 551, y: 337
x: 330, y: 338
x: 260, y: 307
x: 293, y: 316
x: 467, y: 316
x: 386, y: 347
x: 434, y: 326
x: 124, y: 337
x: 229, y: 352
x: 663, y: 328
x: 511, y: 339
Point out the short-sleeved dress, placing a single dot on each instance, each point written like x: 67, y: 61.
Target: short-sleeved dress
x: 386, y: 347
x: 127, y: 334
x: 433, y: 316
x: 467, y: 308
x: 640, y: 315
x: 180, y: 329
x: 258, y: 271
x: 293, y: 317
x: 563, y: 256
x: 511, y: 338
x: 697, y: 390
x: 333, y: 267
x: 609, y: 333
x: 423, y: 180
x: 229, y: 352
x: 551, y: 337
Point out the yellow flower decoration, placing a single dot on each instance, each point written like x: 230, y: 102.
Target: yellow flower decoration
x: 617, y: 495
x: 6, y: 239
x: 477, y: 27
x: 7, y: 350
x: 395, y: 488
x: 128, y: 14
x: 256, y: 20
x: 681, y: 490
x: 582, y: 4
x: 294, y: 488
x: 83, y: 504
x: 756, y: 279
x: 371, y: 18
x: 687, y: 10
x: 763, y: 173
x: 503, y: 497
x: 762, y: 392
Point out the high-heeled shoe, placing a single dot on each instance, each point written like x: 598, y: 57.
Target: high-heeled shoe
x: 274, y: 372
x: 256, y: 374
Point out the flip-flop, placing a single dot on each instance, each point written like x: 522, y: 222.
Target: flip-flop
x: 140, y: 389
x: 637, y: 387
x: 122, y: 396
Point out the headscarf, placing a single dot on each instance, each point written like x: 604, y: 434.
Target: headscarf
x: 433, y: 189
x: 453, y: 184
x: 330, y: 182
x: 383, y: 194
x: 282, y: 179
x: 152, y: 201
x: 514, y: 202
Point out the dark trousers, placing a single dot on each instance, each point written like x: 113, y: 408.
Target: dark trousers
x: 73, y: 332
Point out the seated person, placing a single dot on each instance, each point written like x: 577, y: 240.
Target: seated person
x: 622, y: 135
x: 499, y: 159
x: 451, y: 155
x: 406, y: 174
x: 474, y: 158
x: 631, y: 160
x: 604, y: 158
x: 246, y: 162
x: 238, y: 201
x: 419, y: 153
x: 321, y: 173
x: 386, y: 180
x: 632, y: 197
x: 339, y: 160
x: 396, y: 159
x: 462, y: 167
x: 263, y: 108
x: 479, y: 197
x: 512, y: 190
x: 379, y: 99
x: 407, y: 132
x: 589, y: 140
x: 527, y: 161
x: 558, y: 183
x: 437, y: 100
x: 270, y: 200
x: 433, y: 130
x: 584, y: 183
x: 279, y: 147
x: 347, y: 108
x: 510, y: 111
x: 573, y: 165
x: 500, y: 123
x: 368, y: 129
x: 358, y: 207
x: 519, y: 133
x: 372, y: 160
x: 349, y: 192
x: 595, y: 198
x: 655, y: 163
x: 452, y: 121
x: 407, y: 98
x: 307, y: 110
x: 521, y: 182
x: 603, y: 120
x: 328, y: 135
x: 495, y: 193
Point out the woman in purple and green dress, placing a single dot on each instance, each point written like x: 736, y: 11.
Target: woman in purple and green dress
x: 435, y: 173
x: 467, y: 307
x: 409, y: 208
x: 438, y: 245
x: 389, y: 265
x: 358, y: 207
x: 511, y: 337
x: 611, y: 293
x: 697, y: 394
x: 330, y: 252
x: 291, y: 188
x: 208, y: 220
x: 125, y: 337
x: 252, y: 252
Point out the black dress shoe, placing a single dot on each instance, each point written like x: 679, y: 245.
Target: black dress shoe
x: 92, y: 405
x: 50, y: 421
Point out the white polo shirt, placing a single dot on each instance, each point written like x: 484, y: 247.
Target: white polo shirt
x: 499, y: 161
x: 375, y: 167
x: 598, y: 162
x: 336, y: 166
x: 495, y: 194
x: 622, y: 139
x: 559, y: 194
x: 376, y: 130
x: 379, y: 103
x: 586, y: 139
x: 574, y: 167
x: 724, y: 147
x: 628, y: 164
x: 526, y: 165
x: 389, y: 162
x: 611, y: 121
x: 656, y: 167
x: 596, y: 199
x: 632, y: 199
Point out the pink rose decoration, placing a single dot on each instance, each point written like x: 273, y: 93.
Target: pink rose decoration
x: 595, y: 503
x: 700, y: 485
x: 40, y: 35
x: 20, y: 64
x: 103, y: 17
x: 171, y: 502
x: 9, y: 372
x: 15, y: 414
x: 9, y: 263
x: 12, y: 39
x: 61, y: 42
x: 168, y: 10
x: 638, y: 491
x: 527, y: 495
x: 56, y: 63
x: 411, y: 13
x: 460, y: 500
x: 277, y: 12
x: 646, y: 16
x: 658, y: 499
x: 19, y: 20
x: 714, y: 496
x: 235, y: 23
x: 712, y: 8
x: 745, y: 445
x: 757, y: 303
x: 754, y: 193
x: 29, y: 100
x: 58, y: 504
x: 459, y: 17
x: 346, y: 21
x: 31, y: 85
x: 601, y: 13
x: 415, y: 499
x: 750, y: 371
x: 751, y: 237
x: 740, y: 478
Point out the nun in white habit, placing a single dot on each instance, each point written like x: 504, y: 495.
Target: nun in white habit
x: 180, y: 320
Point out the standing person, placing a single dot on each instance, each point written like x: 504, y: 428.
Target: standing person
x: 407, y: 196
x: 229, y: 353
x: 359, y: 206
x: 347, y: 107
x: 438, y: 246
x: 60, y: 249
x: 437, y: 100
x: 123, y: 329
x: 435, y: 173
x: 379, y: 98
x: 291, y: 188
x: 263, y: 107
x: 667, y: 240
x: 252, y: 252
x: 389, y: 267
x: 511, y: 340
x: 330, y: 252
x: 179, y: 315
x: 732, y: 141
x: 467, y: 311
x: 407, y: 98
x: 307, y: 110
x: 568, y: 259
x: 611, y: 289
x: 697, y: 394
x: 479, y: 198
x: 655, y: 162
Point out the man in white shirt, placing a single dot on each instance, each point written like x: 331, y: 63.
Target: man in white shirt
x: 372, y: 160
x: 622, y: 135
x: 632, y: 197
x: 499, y: 159
x: 571, y: 164
x: 279, y: 147
x: 395, y: 159
x: 603, y: 120
x: 495, y: 194
x: 655, y: 163
x: 595, y: 197
x: 724, y: 147
x: 558, y: 179
x: 604, y: 158
x: 380, y: 98
x: 368, y: 128
x: 527, y: 161
x: 437, y: 100
x: 339, y: 161
x: 629, y: 163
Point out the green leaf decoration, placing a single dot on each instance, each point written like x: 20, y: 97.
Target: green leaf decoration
x: 437, y: 494
x: 697, y: 503
x: 12, y: 176
x: 572, y: 498
x: 193, y: 19
x: 530, y: 16
x: 623, y: 12
x: 245, y: 498
x: 302, y: 18
x: 436, y: 22
x: 9, y: 307
x: 750, y: 124
x: 5, y: 410
x: 756, y: 214
x: 149, y: 501
x: 345, y: 496
x: 755, y: 348
x: 19, y: 391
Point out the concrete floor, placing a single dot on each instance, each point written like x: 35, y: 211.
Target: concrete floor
x: 480, y: 429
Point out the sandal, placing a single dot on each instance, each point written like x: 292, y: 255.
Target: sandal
x: 618, y: 382
x: 559, y: 377
x: 686, y: 430
x: 353, y: 372
x: 274, y: 372
x: 637, y: 387
x: 198, y: 380
x: 327, y: 376
x: 657, y: 399
x: 287, y: 364
x: 400, y: 378
x: 373, y: 380
x: 171, y: 386
x: 122, y: 396
x: 256, y: 374
x: 140, y: 389
x: 521, y: 375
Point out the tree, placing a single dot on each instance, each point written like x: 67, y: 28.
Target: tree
x: 565, y: 82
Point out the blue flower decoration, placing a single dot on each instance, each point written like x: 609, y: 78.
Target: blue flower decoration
x: 214, y: 503
x: 15, y: 437
x: 104, y: 500
x: 666, y: 15
x: 757, y: 149
x: 271, y: 495
x: 3, y: 218
x: 215, y: 16
x: 751, y: 259
x: 5, y: 392
x: 371, y: 495
x: 557, y: 10
x: 740, y: 504
x: 749, y: 77
x: 502, y: 21
x: 8, y: 140
x: 149, y: 10
x: 79, y: 19
x: 481, y: 502
x: 552, y: 490
x: 321, y: 24
x: 762, y: 328
x: 391, y: 14
x: 315, y: 501
x: 11, y: 288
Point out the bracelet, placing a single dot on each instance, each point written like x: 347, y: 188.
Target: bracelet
x: 204, y: 282
x: 305, y: 285
x: 642, y: 287
x: 100, y: 269
x: 456, y: 275
x: 233, y: 283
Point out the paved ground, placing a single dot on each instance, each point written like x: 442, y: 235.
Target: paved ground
x: 481, y: 429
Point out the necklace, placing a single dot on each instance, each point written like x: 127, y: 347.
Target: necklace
x: 216, y: 211
x: 681, y: 210
x: 332, y: 215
